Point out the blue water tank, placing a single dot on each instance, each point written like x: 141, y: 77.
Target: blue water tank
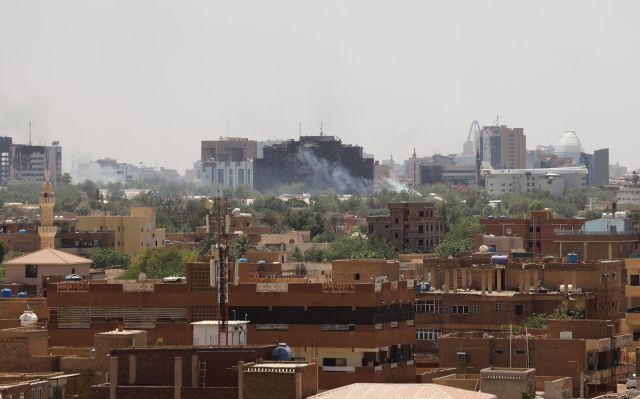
x: 572, y: 257
x: 22, y: 294
x: 22, y: 231
x: 503, y: 217
x: 281, y: 353
x: 423, y: 286
x: 490, y: 217
x: 499, y: 259
x: 243, y: 260
x: 6, y: 293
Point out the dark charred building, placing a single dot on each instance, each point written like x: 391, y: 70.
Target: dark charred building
x: 320, y: 162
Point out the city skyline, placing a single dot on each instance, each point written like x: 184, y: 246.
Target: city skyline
x: 136, y: 78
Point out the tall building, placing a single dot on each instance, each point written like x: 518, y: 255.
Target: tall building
x: 27, y: 163
x: 5, y: 165
x: 46, y: 230
x: 503, y: 148
x: 320, y: 162
x: 227, y: 162
x: 228, y: 149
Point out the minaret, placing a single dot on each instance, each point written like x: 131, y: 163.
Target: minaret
x: 47, y: 231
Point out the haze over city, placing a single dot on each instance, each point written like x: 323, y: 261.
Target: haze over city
x: 146, y: 81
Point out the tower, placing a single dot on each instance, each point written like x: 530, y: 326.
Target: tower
x: 46, y: 230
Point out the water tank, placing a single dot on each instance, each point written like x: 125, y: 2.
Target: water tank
x: 490, y: 217
x: 243, y: 260
x: 5, y: 293
x: 22, y: 231
x: 503, y: 217
x: 499, y: 259
x: 483, y: 248
x: 492, y: 249
x: 282, y: 353
x: 572, y: 257
x: 22, y: 294
x: 423, y: 286
x: 72, y: 277
x: 28, y: 318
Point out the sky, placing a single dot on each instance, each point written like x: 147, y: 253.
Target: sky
x: 146, y: 80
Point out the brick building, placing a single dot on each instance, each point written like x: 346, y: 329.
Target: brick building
x: 568, y: 348
x: 358, y: 330
x: 409, y: 226
x: 233, y: 372
x: 537, y: 231
x: 471, y: 294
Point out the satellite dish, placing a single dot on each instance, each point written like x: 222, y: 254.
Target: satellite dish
x: 142, y: 276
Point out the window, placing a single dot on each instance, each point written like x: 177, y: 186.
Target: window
x: 421, y: 229
x: 31, y: 271
x: 507, y: 230
x: 476, y: 309
x: 522, y: 353
x: 334, y: 362
x: 424, y: 306
x: 421, y: 214
x: 498, y: 351
x: 460, y: 309
x: 396, y: 220
x: 356, y: 276
x: 636, y: 335
x: 635, y: 279
x: 519, y: 310
x: 498, y: 306
x: 428, y: 334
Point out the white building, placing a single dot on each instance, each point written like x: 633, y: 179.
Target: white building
x: 629, y: 192
x: 554, y: 180
x: 226, y: 174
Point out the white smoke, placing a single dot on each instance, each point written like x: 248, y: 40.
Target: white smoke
x: 399, y: 187
x: 333, y: 175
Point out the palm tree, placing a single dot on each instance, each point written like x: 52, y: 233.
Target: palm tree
x: 241, y: 245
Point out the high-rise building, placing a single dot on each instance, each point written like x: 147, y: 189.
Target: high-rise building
x: 503, y: 148
x: 28, y: 163
x: 320, y: 162
x: 5, y: 150
x: 227, y: 162
x: 228, y: 149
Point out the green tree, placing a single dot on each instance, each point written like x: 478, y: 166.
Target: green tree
x: 160, y: 263
x: 359, y: 247
x: 107, y: 257
x: 459, y: 237
x: 65, y: 179
x: 313, y: 254
x: 2, y: 251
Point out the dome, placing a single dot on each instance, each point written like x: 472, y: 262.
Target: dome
x: 28, y: 318
x: 569, y: 146
x: 282, y: 352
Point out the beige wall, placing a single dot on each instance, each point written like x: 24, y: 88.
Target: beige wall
x: 133, y: 234
x: 16, y: 273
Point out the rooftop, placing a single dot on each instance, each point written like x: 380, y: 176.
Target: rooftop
x: 49, y: 256
x: 401, y: 391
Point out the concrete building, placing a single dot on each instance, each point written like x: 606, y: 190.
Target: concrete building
x: 133, y: 234
x: 414, y: 226
x: 610, y: 237
x: 359, y: 326
x: 228, y: 174
x: 236, y: 372
x: 228, y: 149
x: 28, y: 163
x: 473, y: 294
x: 321, y: 163
x: 568, y: 348
x: 44, y: 266
x: 629, y: 193
x: 538, y: 231
x: 508, y: 383
x: 503, y: 148
x: 556, y: 181
x: 46, y: 230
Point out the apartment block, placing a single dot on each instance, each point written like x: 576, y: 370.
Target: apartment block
x: 133, y: 233
x: 357, y: 330
x: 568, y: 348
x: 415, y: 226
x: 503, y: 148
x: 537, y: 230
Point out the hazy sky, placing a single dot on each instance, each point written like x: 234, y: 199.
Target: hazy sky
x: 147, y: 80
